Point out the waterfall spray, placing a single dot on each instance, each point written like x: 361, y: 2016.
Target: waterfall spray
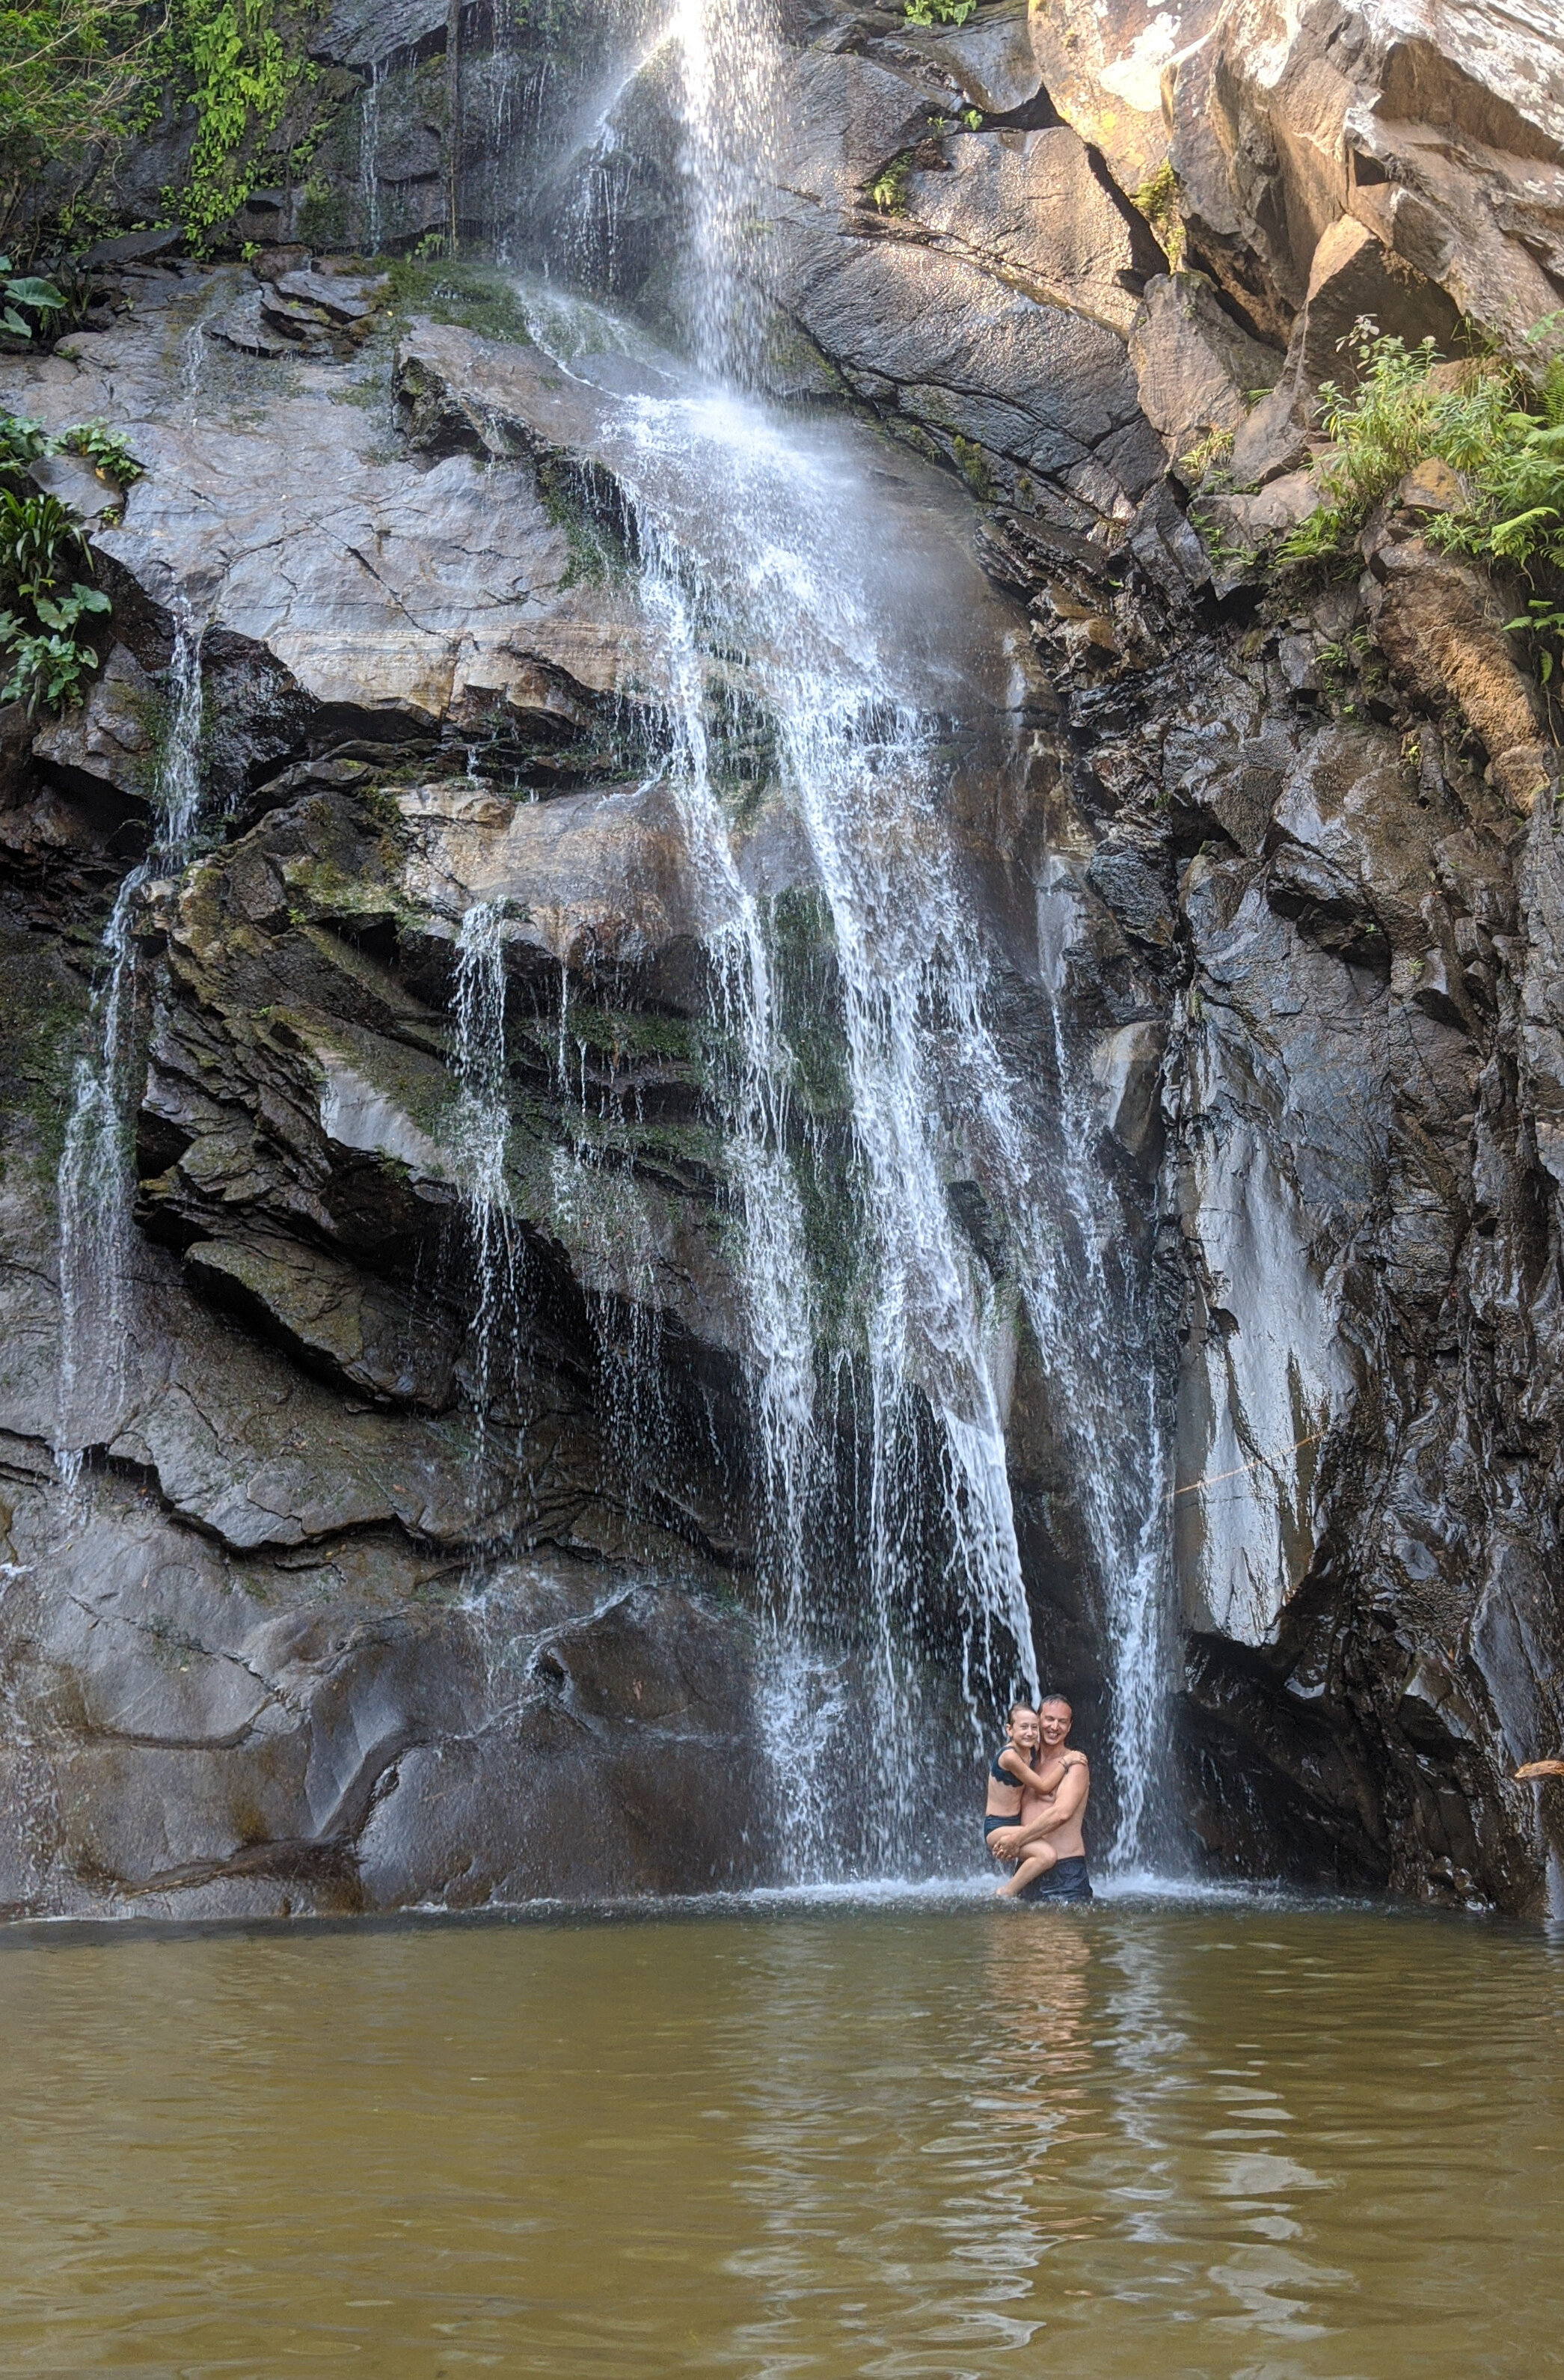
x: 730, y: 75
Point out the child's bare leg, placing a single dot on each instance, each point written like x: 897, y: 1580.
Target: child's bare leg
x: 1037, y: 1862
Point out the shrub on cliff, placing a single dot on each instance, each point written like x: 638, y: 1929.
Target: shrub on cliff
x: 1502, y: 435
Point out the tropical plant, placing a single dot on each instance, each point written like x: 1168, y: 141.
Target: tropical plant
x: 38, y: 537
x: 938, y: 12
x: 48, y: 664
x: 18, y: 289
x: 106, y: 449
x: 23, y: 440
x: 243, y: 66
x: 42, y: 545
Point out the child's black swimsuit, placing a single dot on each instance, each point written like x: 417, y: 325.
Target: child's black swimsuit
x: 1001, y: 1777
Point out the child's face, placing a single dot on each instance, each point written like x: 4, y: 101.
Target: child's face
x: 1024, y: 1732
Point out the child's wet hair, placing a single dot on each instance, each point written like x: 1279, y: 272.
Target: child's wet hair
x: 1010, y: 1715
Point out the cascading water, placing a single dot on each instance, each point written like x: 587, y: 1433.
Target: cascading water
x: 917, y: 1361
x: 881, y: 1332
x: 730, y: 77
x: 369, y: 157
x: 96, y: 1174
x: 478, y: 1135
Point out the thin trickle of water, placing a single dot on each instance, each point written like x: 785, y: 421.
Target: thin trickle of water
x: 96, y: 1176
x: 479, y: 1136
x: 369, y: 156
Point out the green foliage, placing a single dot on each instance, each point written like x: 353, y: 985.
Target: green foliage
x: 106, y: 449
x: 1544, y: 619
x: 42, y: 545
x: 37, y: 537
x: 245, y: 67
x: 1157, y: 200
x: 29, y: 290
x: 70, y: 78
x: 888, y: 191
x: 938, y: 12
x: 21, y: 441
x: 1208, y: 454
x: 1503, y: 436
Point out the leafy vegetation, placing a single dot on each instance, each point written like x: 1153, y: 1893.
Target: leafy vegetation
x: 29, y: 291
x: 72, y: 73
x: 245, y: 67
x: 938, y: 12
x: 45, y: 569
x: 1500, y: 432
x: 888, y: 191
x: 106, y: 449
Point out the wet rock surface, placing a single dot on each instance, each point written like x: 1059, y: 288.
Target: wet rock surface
x: 357, y: 1605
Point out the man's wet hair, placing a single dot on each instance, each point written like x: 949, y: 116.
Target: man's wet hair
x: 1044, y: 1700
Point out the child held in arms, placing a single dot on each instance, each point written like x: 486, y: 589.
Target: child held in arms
x: 1015, y: 1786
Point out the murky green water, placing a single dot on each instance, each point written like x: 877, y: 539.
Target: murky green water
x: 1130, y: 2143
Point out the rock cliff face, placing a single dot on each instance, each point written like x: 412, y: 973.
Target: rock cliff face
x: 362, y: 1598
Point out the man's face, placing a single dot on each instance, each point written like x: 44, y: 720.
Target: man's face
x: 1024, y: 1732
x: 1053, y: 1722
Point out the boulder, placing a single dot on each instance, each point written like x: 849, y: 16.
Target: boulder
x: 1432, y: 129
x: 1103, y: 64
x: 111, y: 739
x: 1195, y: 369
x: 1434, y: 621
x: 1029, y: 206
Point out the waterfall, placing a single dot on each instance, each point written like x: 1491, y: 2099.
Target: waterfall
x: 895, y: 1230
x: 97, y: 1174
x: 479, y: 1135
x: 731, y: 73
x: 369, y: 156
x: 862, y: 773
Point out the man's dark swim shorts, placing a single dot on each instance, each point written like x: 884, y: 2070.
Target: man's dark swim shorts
x: 1067, y: 1881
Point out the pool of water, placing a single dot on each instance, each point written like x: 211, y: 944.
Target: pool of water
x: 912, y: 2139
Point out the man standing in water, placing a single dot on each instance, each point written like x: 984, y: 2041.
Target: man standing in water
x: 1059, y: 1818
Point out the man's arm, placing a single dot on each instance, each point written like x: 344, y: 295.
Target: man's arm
x: 1010, y: 1842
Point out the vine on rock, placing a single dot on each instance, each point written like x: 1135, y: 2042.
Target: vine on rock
x: 243, y: 66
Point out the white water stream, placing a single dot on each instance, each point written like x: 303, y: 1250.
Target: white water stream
x: 97, y: 1174
x: 783, y: 548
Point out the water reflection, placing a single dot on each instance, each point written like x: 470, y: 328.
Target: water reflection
x: 1154, y: 2144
